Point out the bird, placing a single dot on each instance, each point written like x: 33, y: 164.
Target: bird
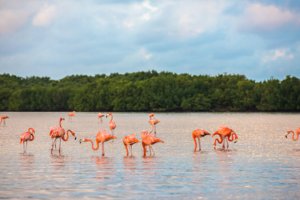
x: 101, y: 137
x: 129, y: 140
x: 225, y: 134
x: 25, y: 137
x: 197, y: 134
x: 149, y: 140
x: 112, y: 123
x: 100, y: 115
x: 153, y: 121
x: 296, y: 132
x: 71, y: 115
x: 61, y: 134
x: 2, y: 119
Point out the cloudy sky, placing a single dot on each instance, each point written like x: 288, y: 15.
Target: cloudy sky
x: 257, y: 38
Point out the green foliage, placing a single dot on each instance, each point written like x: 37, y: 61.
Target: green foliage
x: 148, y: 91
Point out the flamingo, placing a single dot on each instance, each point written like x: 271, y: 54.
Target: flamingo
x: 149, y: 140
x: 71, y: 114
x: 25, y: 137
x: 112, y: 123
x: 101, y: 137
x: 2, y: 119
x: 197, y: 134
x: 297, y: 133
x: 100, y: 115
x: 129, y: 140
x: 153, y: 121
x: 226, y: 134
x: 61, y: 134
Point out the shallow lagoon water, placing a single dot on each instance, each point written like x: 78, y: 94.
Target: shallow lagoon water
x: 262, y: 165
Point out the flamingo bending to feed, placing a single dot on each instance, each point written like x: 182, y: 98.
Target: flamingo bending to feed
x: 101, y: 137
x: 297, y: 133
x: 153, y: 121
x: 129, y: 140
x: 3, y: 118
x: 112, y: 123
x: 25, y: 137
x: 149, y: 140
x: 197, y: 134
x: 225, y: 134
x: 71, y: 114
x: 61, y: 134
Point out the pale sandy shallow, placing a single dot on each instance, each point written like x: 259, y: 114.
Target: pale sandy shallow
x: 262, y: 165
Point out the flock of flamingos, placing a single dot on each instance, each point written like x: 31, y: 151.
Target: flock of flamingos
x: 148, y: 138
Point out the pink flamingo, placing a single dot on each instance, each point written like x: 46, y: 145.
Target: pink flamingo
x: 101, y: 137
x: 149, y: 140
x: 61, y: 134
x: 100, y: 115
x: 2, y: 119
x: 153, y: 121
x: 129, y: 140
x: 71, y: 115
x: 197, y: 134
x: 226, y: 134
x: 297, y: 133
x: 25, y: 137
x: 112, y: 123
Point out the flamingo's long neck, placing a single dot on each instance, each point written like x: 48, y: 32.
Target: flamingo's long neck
x: 232, y: 137
x: 93, y: 147
x: 111, y: 118
x: 219, y: 140
x: 60, y: 124
x: 295, y: 138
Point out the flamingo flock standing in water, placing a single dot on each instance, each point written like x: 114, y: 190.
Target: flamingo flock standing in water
x: 224, y: 135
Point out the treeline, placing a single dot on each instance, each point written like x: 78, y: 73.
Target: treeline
x: 148, y: 91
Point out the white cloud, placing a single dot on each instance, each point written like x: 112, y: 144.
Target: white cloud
x: 45, y: 16
x: 266, y: 17
x: 277, y: 54
x: 146, y: 55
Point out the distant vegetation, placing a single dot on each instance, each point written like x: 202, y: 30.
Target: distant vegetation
x: 148, y: 91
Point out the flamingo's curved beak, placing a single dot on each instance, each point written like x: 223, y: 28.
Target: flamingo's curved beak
x: 75, y: 138
x: 285, y: 136
x: 80, y: 141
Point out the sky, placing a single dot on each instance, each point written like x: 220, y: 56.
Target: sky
x: 256, y: 38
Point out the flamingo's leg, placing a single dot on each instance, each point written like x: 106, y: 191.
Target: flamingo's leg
x: 131, y: 149
x: 26, y: 147
x: 103, y: 153
x: 199, y: 144
x: 153, y: 153
x: 59, y: 145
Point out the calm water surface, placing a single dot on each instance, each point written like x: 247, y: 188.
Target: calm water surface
x: 262, y: 165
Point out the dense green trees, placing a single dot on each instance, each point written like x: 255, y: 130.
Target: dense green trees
x: 148, y: 91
